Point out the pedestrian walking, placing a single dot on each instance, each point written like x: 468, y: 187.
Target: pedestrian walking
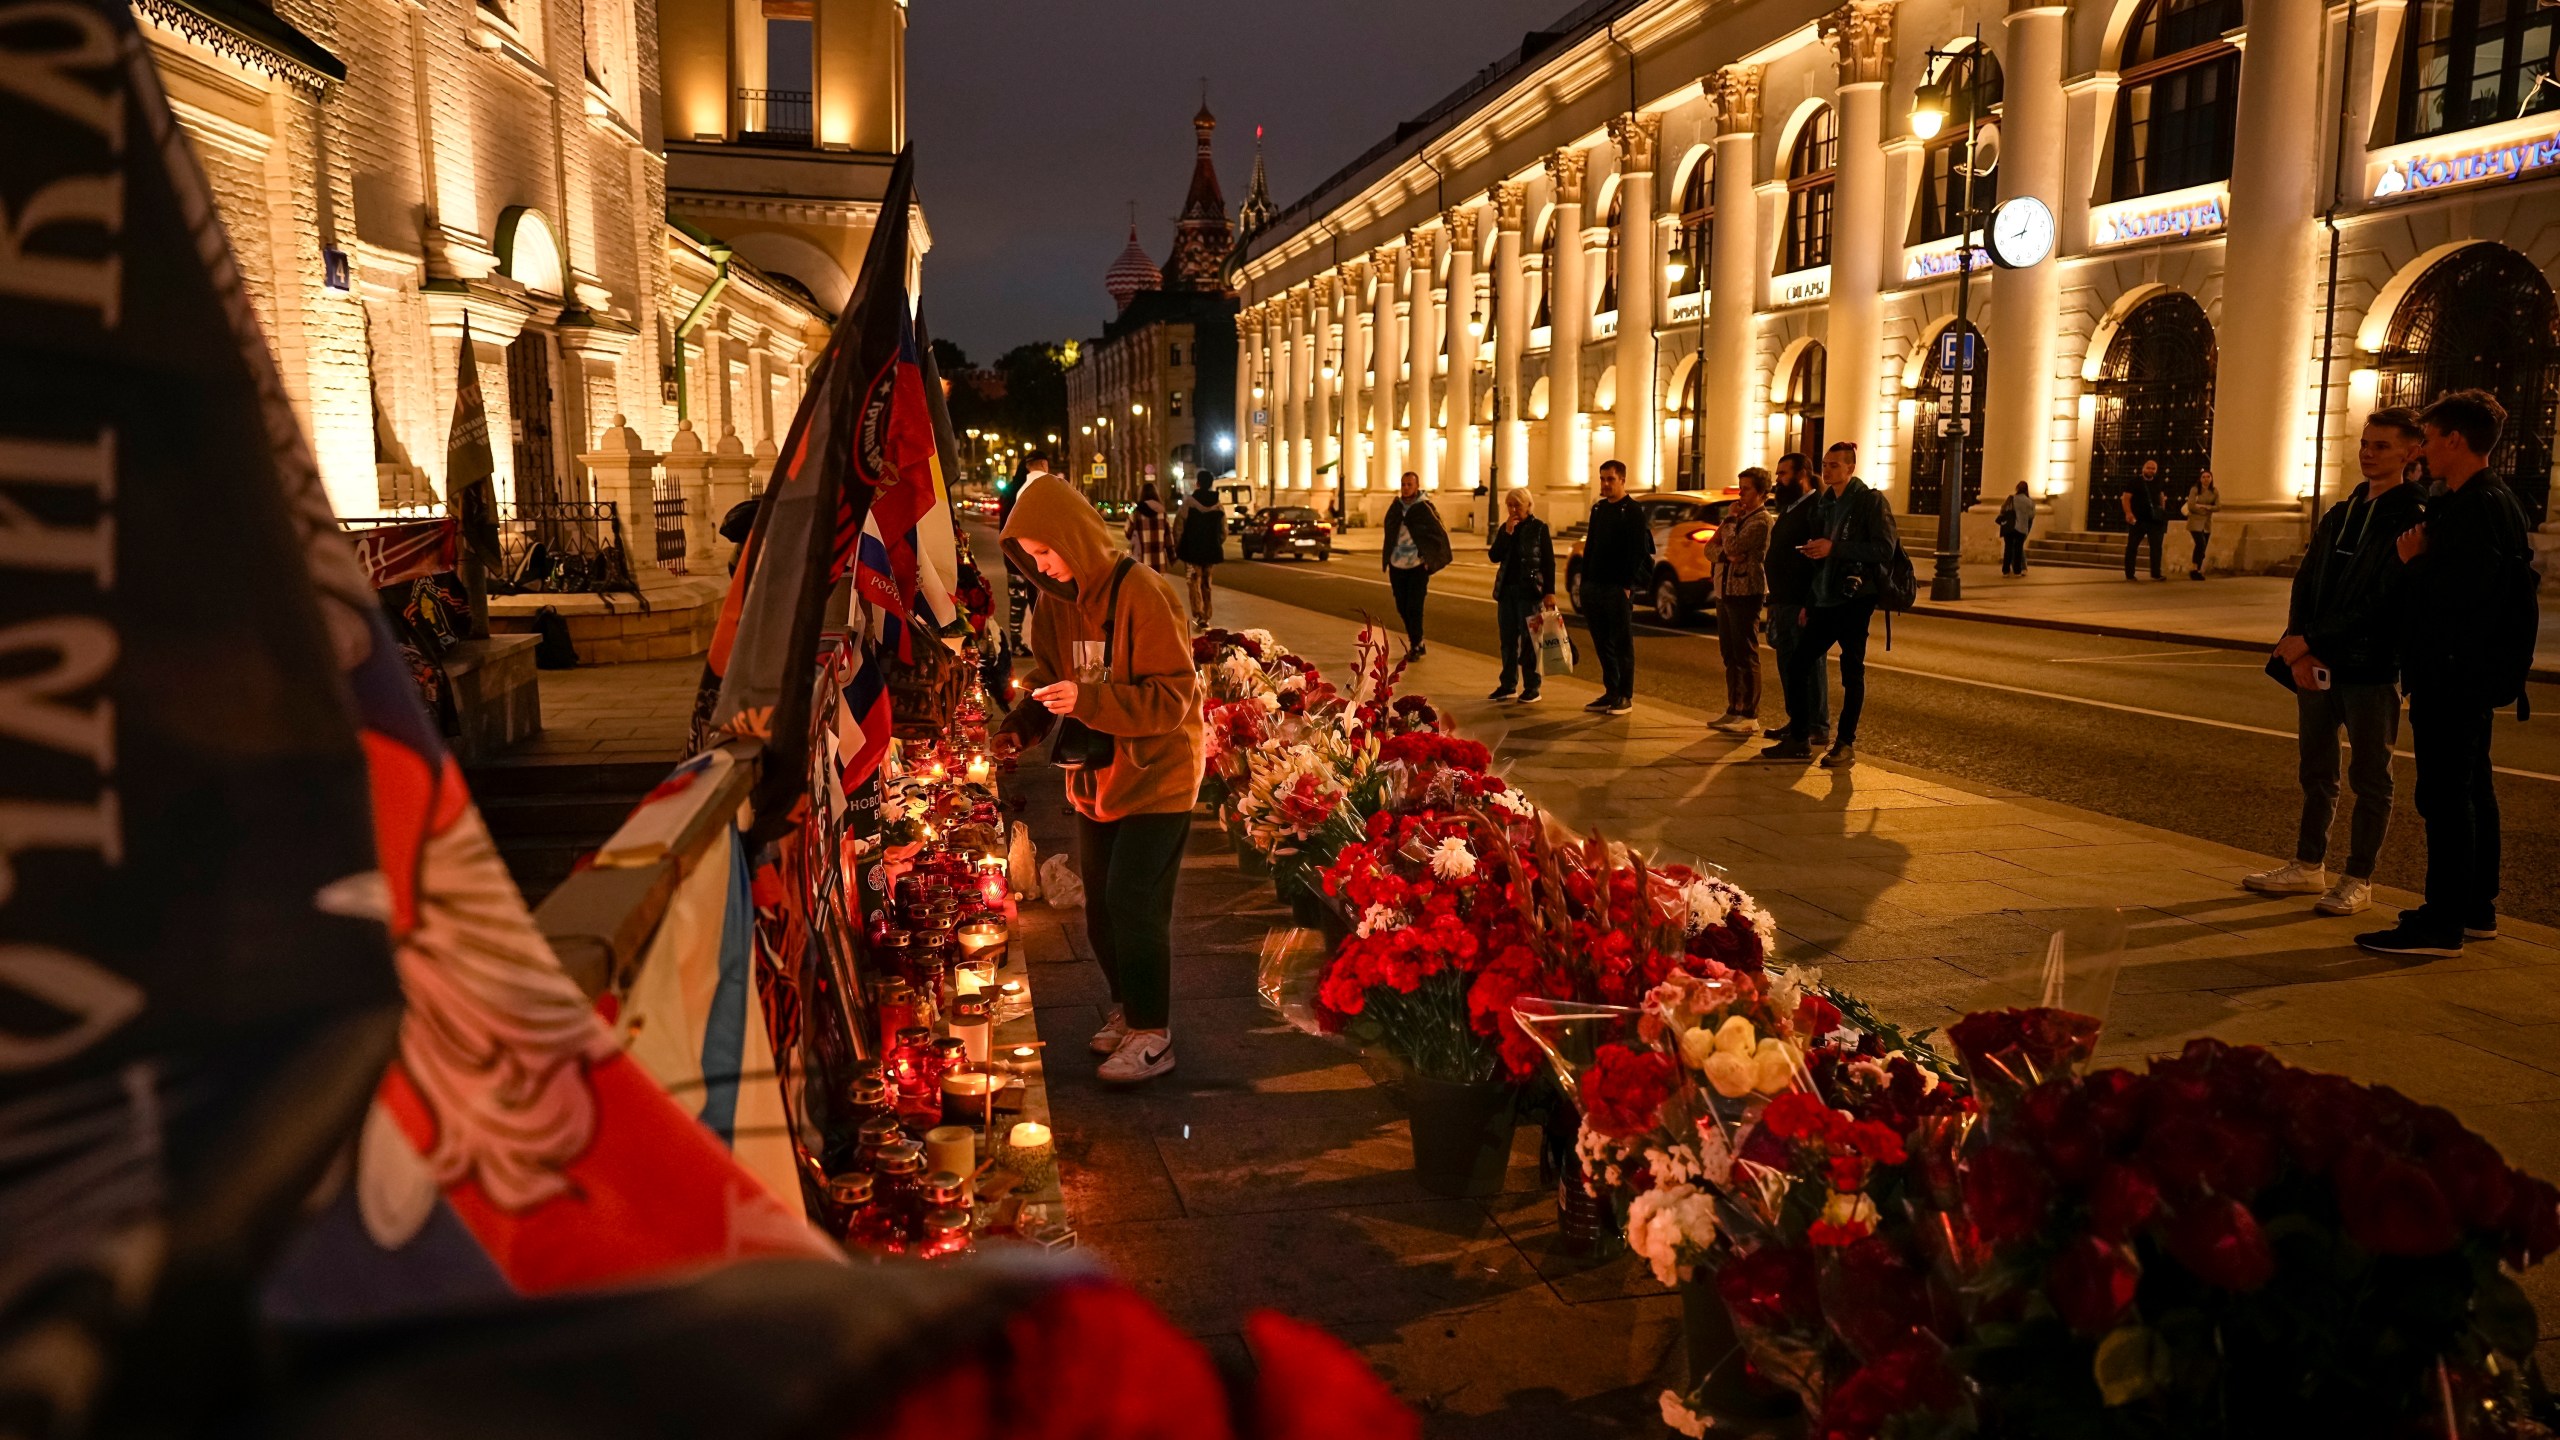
x: 1617, y: 556
x: 1807, y: 692
x: 1150, y: 536
x: 1742, y: 584
x: 1111, y: 666
x: 2017, y: 521
x: 2470, y: 616
x: 1414, y: 546
x: 2146, y: 517
x: 1201, y: 546
x: 1853, y: 537
x: 2341, y: 655
x: 2202, y: 500
x: 1524, y: 581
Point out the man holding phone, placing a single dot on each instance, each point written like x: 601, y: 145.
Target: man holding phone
x: 2340, y: 655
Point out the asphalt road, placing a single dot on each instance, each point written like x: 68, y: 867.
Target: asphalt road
x: 2195, y: 741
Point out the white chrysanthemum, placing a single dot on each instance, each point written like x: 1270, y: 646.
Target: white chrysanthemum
x: 1667, y: 1220
x: 1786, y: 990
x: 1602, y: 1157
x: 1675, y: 1166
x: 1515, y: 802
x: 1452, y: 860
x: 1683, y: 1419
x: 1708, y: 903
x: 1378, y: 919
x: 1263, y: 638
x: 1715, y: 1157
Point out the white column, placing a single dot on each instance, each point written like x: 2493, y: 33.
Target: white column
x: 1320, y: 440
x: 1465, y: 468
x: 1639, y: 407
x: 1732, y: 441
x: 1293, y: 379
x: 1422, y: 346
x: 2017, y: 415
x: 1510, y: 334
x: 1388, y: 349
x: 1356, y: 409
x: 2268, y: 270
x: 1861, y: 36
x: 1244, y: 398
x: 1569, y: 310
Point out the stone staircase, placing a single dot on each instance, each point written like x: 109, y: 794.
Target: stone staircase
x: 546, y: 817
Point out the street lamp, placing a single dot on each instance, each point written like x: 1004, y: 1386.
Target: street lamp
x: 1930, y: 109
x: 1475, y: 323
x: 1137, y: 409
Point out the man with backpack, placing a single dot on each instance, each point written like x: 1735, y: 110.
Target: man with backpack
x: 2470, y: 618
x: 1859, y: 564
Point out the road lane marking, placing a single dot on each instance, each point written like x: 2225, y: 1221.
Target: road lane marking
x: 2150, y: 713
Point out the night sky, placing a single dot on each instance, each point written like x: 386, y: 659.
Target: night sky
x: 1036, y: 122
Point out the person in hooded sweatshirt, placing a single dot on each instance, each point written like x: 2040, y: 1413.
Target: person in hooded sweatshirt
x: 1133, y: 811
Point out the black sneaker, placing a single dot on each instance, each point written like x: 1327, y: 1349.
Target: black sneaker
x: 1622, y: 706
x: 1530, y: 697
x: 2408, y: 939
x: 1505, y: 693
x: 1789, y: 749
x: 1840, y: 756
x: 1601, y: 705
x: 1416, y: 653
x: 2484, y: 928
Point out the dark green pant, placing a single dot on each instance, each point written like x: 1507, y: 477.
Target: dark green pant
x: 1130, y: 868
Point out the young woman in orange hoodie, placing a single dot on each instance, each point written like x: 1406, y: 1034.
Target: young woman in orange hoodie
x: 1116, y: 656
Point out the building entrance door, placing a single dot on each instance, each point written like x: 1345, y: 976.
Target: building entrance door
x: 529, y: 402
x: 2155, y: 402
x: 2483, y: 318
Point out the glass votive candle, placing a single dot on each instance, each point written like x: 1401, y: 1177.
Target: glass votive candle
x: 1030, y: 1152
x: 946, y: 1233
x: 973, y: 974
x: 970, y: 1017
x: 978, y: 771
x: 912, y: 1062
x: 968, y: 1098
x: 950, y: 1055
x: 896, y: 1008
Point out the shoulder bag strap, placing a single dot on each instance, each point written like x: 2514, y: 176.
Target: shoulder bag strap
x: 1111, y: 613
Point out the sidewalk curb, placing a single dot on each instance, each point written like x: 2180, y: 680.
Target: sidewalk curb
x: 2540, y: 674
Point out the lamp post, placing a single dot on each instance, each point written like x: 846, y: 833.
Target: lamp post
x: 1958, y: 351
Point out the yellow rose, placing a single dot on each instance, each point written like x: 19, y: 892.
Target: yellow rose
x: 1697, y: 1044
x: 1730, y: 1073
x: 1773, y: 1067
x: 1736, y: 1037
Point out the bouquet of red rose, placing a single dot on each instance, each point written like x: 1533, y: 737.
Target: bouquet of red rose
x: 2227, y: 1245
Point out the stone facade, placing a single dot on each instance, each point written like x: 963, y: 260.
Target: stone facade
x: 2183, y: 314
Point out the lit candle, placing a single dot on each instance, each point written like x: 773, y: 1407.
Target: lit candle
x: 982, y: 945
x: 966, y: 1098
x: 1011, y: 989
x: 1029, y: 1153
x: 979, y: 770
x: 953, y: 1148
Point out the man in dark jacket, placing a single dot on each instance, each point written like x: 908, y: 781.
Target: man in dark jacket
x: 1617, y: 556
x: 2146, y: 517
x: 1807, y: 692
x: 1414, y: 547
x: 2460, y: 559
x: 1524, y: 580
x: 2341, y: 644
x: 1853, y: 538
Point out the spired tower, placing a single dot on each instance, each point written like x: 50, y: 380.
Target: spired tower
x: 1257, y: 201
x: 1204, y: 235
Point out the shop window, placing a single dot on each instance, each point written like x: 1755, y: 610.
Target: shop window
x: 1801, y: 412
x: 1546, y: 313
x: 2484, y: 318
x: 2178, y: 96
x: 1944, y: 160
x: 1697, y: 226
x: 1811, y: 169
x: 1609, y: 254
x: 2475, y: 62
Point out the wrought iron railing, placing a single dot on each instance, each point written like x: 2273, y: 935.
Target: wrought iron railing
x: 778, y: 117
x: 671, y: 541
x: 563, y: 547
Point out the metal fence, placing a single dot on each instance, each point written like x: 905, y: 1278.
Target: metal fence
x: 781, y: 117
x: 671, y: 541
x: 563, y: 547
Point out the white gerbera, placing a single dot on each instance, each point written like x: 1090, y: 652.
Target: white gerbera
x: 1452, y: 860
x: 1708, y: 903
x: 1515, y: 802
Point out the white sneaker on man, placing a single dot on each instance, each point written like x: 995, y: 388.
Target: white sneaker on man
x: 2349, y: 896
x: 1115, y: 1028
x: 1736, y: 725
x: 2291, y: 878
x: 1145, y: 1055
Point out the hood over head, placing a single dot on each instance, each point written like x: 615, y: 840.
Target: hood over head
x: 1056, y: 516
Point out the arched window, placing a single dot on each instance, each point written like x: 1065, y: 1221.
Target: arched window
x: 2484, y: 318
x: 1944, y: 161
x: 1546, y: 315
x: 2155, y: 402
x: 2178, y: 96
x: 2471, y: 62
x: 1609, y: 261
x: 1810, y: 172
x: 1802, y: 409
x: 1698, y: 225
x: 1687, y: 441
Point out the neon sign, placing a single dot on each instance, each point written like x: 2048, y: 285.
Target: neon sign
x: 1940, y: 258
x: 2413, y: 173
x: 2176, y: 216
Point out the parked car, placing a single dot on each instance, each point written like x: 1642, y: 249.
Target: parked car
x: 1293, y: 530
x: 1685, y: 523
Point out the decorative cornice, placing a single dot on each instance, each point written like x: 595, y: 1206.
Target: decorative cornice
x: 1635, y: 135
x: 1734, y: 91
x: 250, y: 38
x: 1861, y: 37
x: 1510, y: 205
x: 1462, y: 226
x: 1565, y: 167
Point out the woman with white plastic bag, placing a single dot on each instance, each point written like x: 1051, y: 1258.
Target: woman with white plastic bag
x: 1524, y: 584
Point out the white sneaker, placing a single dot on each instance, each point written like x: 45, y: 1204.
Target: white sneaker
x: 1114, y: 1029
x: 2291, y: 878
x: 1145, y: 1055
x: 1736, y: 725
x: 2348, y: 897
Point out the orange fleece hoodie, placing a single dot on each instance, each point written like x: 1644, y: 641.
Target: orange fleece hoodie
x: 1151, y: 705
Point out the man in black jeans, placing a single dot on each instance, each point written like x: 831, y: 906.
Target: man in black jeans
x: 2342, y: 644
x: 1853, y: 535
x: 1617, y: 556
x: 2146, y: 517
x: 1807, y: 692
x: 1415, y: 547
x: 2459, y: 560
